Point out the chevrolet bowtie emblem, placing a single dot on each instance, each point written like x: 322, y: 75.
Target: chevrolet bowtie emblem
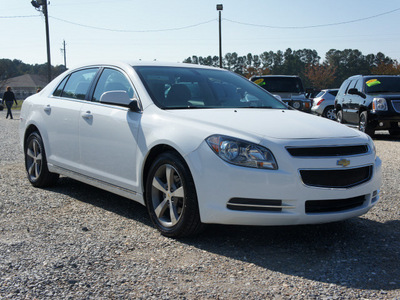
x: 343, y: 162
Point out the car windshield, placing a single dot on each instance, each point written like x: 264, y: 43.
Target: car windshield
x: 380, y: 84
x: 280, y: 84
x: 185, y: 87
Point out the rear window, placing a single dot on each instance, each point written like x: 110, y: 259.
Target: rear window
x: 374, y: 85
x: 280, y: 84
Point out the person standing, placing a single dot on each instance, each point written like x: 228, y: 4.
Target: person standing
x: 9, y: 99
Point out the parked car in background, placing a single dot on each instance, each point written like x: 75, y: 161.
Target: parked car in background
x: 370, y: 102
x: 196, y: 145
x: 289, y: 88
x: 324, y: 103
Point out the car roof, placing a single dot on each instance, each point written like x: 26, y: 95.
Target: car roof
x: 125, y: 64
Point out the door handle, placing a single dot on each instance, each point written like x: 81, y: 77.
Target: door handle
x: 47, y: 108
x: 87, y: 115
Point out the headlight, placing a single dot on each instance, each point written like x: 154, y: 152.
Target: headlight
x: 242, y: 153
x: 372, y: 145
x: 379, y: 104
x: 296, y: 105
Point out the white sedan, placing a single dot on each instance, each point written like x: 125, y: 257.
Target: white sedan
x: 196, y: 145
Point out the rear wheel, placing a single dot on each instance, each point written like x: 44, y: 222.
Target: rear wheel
x: 36, y: 163
x: 339, y: 116
x: 364, y: 126
x: 329, y: 113
x: 171, y: 198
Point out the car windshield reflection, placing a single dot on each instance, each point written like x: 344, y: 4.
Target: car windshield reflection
x: 184, y: 88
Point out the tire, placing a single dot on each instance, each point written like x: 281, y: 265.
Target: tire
x: 339, y: 116
x: 171, y: 198
x: 36, y: 162
x: 329, y: 113
x: 363, y: 124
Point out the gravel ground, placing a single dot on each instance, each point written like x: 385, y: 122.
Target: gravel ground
x: 75, y: 241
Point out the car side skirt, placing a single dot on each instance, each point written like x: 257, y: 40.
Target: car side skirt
x: 121, y: 191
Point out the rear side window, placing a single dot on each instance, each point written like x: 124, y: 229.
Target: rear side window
x: 78, y: 84
x: 333, y: 93
x: 343, y: 88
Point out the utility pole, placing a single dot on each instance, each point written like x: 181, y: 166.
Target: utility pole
x: 64, y: 51
x: 41, y: 5
x: 220, y: 8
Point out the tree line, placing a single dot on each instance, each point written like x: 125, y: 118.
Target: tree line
x: 306, y: 63
x: 13, y: 68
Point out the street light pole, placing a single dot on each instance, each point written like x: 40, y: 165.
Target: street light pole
x: 220, y: 8
x: 43, y: 4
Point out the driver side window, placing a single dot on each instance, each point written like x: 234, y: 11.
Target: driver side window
x: 112, y: 80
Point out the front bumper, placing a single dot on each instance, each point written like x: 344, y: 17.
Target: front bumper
x: 219, y: 185
x: 299, y: 104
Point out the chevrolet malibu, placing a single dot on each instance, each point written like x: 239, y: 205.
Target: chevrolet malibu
x: 196, y: 145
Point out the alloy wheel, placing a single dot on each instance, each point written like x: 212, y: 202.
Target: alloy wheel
x: 168, y: 195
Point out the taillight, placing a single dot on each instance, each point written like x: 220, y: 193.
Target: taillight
x: 320, y: 101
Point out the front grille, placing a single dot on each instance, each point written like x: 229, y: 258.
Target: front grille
x: 326, y: 206
x: 336, y: 178
x: 327, y: 151
x: 396, y: 105
x: 255, y: 204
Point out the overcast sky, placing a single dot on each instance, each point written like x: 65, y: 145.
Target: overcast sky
x: 172, y: 30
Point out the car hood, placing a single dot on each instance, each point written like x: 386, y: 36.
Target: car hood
x: 272, y: 123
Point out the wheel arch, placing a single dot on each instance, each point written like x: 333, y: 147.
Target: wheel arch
x: 31, y: 128
x: 151, y: 156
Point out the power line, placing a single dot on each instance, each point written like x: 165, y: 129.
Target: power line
x: 16, y: 17
x: 137, y: 31
x: 313, y: 26
x: 206, y: 22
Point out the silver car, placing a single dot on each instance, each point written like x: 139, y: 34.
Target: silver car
x: 323, y: 103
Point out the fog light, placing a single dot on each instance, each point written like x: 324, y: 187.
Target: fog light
x: 375, y: 196
x: 380, y: 124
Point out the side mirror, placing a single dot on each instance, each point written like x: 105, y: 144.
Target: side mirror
x: 134, y: 105
x: 120, y: 98
x: 115, y: 97
x: 354, y: 91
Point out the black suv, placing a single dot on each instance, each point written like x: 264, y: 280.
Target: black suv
x: 289, y: 89
x: 370, y: 102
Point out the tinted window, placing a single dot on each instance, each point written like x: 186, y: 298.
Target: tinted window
x: 382, y: 85
x: 280, y: 84
x: 78, y: 84
x: 359, y: 85
x: 60, y: 87
x: 171, y: 87
x: 112, y: 80
x: 343, y: 87
x: 333, y: 93
x: 320, y: 94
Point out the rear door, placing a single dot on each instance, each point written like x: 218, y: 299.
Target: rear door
x: 61, y: 114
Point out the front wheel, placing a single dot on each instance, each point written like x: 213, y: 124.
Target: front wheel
x: 36, y: 163
x: 364, y: 126
x: 171, y: 198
